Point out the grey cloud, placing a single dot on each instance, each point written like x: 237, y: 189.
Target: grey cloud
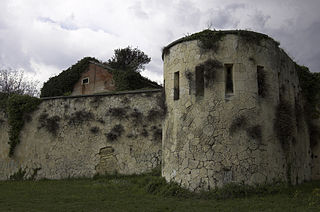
x: 259, y: 19
x: 138, y: 11
x: 66, y: 24
x: 235, y: 6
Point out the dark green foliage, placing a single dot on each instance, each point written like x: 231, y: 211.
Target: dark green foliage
x: 128, y: 193
x: 238, y: 190
x: 131, y: 80
x: 51, y: 124
x: 314, y: 132
x: 155, y: 171
x: 19, y: 175
x: 126, y: 64
x: 136, y: 115
x: 3, y: 101
x: 255, y: 132
x: 189, y: 76
x: 262, y: 83
x: 298, y: 111
x: 209, y: 39
x: 144, y: 133
x: 79, y: 117
x: 154, y: 114
x: 310, y: 84
x: 238, y: 124
x: 100, y: 120
x: 17, y: 107
x: 157, y: 134
x: 284, y: 123
x: 209, y: 68
x: 159, y: 186
x: 96, y: 101
x: 65, y: 81
x: 94, y: 130
x: 115, y: 132
x: 1, y: 121
x: 118, y: 112
x: 34, y: 174
x: 129, y: 59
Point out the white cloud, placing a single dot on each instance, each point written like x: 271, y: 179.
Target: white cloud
x: 45, y: 37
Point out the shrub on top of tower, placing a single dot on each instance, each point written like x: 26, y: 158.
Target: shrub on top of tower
x: 209, y: 39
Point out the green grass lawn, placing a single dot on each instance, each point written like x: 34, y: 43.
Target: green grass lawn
x: 147, y: 193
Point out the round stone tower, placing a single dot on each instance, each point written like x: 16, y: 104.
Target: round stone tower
x: 232, y: 98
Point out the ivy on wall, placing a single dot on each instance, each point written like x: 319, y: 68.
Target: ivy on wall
x: 18, y: 109
x: 63, y: 83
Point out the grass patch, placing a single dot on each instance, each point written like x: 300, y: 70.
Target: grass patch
x: 149, y: 193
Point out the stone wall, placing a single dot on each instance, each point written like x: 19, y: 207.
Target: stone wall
x: 86, y: 135
x: 218, y: 137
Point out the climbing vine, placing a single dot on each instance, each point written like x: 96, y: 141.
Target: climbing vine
x: 18, y: 106
x: 63, y: 83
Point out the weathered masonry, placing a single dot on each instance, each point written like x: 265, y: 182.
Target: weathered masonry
x: 231, y: 100
x: 82, y: 136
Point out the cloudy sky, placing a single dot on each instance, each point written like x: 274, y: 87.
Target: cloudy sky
x: 44, y: 37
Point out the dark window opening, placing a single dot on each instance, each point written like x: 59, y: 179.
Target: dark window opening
x: 85, y: 81
x: 261, y: 81
x: 229, y: 79
x: 199, y: 81
x: 176, y: 86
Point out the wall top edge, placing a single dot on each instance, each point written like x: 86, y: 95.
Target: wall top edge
x: 104, y: 94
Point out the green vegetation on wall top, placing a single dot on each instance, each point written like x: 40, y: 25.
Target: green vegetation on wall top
x: 209, y: 39
x: 125, y: 79
x: 65, y: 81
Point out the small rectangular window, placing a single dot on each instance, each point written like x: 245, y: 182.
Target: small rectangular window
x: 261, y: 81
x: 199, y: 81
x: 85, y: 81
x: 229, y: 79
x: 176, y: 86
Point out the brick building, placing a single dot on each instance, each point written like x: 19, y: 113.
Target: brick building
x: 96, y: 79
